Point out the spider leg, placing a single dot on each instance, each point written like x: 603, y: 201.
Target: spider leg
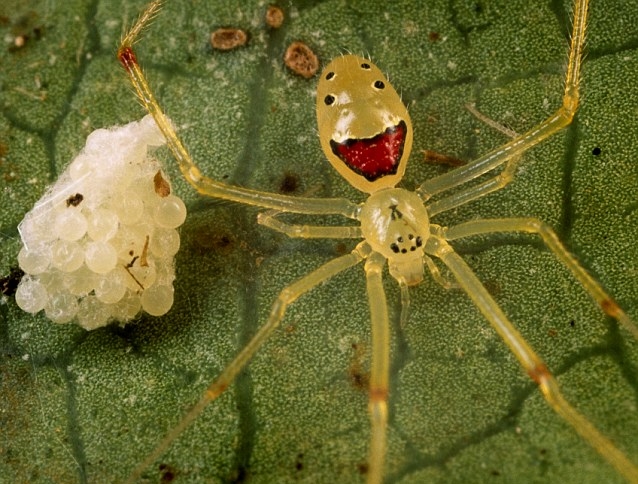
x: 380, y: 368
x: 517, y: 146
x: 268, y: 219
x: 437, y: 276
x: 471, y: 107
x: 553, y: 243
x: 205, y: 185
x: 476, y: 191
x: 379, y: 373
x: 480, y: 190
x: 287, y: 296
x: 529, y: 360
x: 405, y: 303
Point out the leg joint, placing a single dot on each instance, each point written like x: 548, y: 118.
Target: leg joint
x: 539, y: 373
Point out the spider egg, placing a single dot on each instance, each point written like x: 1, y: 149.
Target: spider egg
x: 157, y: 300
x: 100, y: 257
x: 165, y: 243
x: 127, y: 307
x: 81, y: 282
x: 110, y: 288
x: 128, y: 208
x: 92, y: 313
x: 31, y: 296
x: 102, y: 224
x: 61, y: 307
x: 70, y: 225
x: 67, y: 256
x: 170, y: 212
x: 92, y: 244
x: 34, y: 261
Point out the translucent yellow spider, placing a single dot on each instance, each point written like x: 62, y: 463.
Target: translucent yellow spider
x: 366, y: 134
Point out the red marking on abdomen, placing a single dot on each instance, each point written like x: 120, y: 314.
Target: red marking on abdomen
x: 373, y: 157
x: 127, y: 57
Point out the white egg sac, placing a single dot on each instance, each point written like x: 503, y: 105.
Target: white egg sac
x: 99, y: 246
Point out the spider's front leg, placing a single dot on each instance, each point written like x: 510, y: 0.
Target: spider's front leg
x: 269, y: 219
x: 517, y: 146
x: 474, y: 192
x: 205, y: 185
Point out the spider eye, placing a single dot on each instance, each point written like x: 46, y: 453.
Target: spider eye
x: 365, y: 66
x: 329, y: 76
x: 329, y: 99
x: 379, y: 84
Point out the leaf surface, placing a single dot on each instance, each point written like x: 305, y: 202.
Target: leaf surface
x: 86, y: 407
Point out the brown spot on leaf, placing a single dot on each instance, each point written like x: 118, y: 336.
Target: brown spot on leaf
x: 289, y: 183
x: 538, y: 373
x: 167, y: 473
x: 25, y: 29
x: 301, y: 60
x: 228, y: 38
x: 359, y: 377
x: 274, y: 16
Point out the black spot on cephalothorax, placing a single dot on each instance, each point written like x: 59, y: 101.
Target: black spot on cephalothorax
x: 395, y: 213
x: 401, y: 246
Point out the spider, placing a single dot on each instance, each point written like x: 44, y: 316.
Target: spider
x: 366, y: 133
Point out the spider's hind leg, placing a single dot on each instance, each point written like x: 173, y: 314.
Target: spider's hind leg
x: 553, y: 243
x: 529, y: 360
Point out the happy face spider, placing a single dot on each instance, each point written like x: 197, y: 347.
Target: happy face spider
x: 366, y: 134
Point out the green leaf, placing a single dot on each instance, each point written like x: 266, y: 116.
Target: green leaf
x: 87, y: 407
